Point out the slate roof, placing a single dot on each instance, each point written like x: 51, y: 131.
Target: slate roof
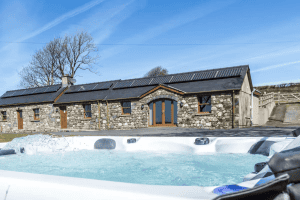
x: 134, y: 88
x: 221, y: 84
x: 33, y: 98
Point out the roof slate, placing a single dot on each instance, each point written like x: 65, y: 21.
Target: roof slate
x: 221, y: 84
x: 209, y: 85
x: 36, y: 98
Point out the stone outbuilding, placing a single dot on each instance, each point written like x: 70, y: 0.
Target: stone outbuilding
x: 209, y: 99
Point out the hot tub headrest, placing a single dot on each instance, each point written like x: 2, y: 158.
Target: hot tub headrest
x: 287, y: 161
x: 7, y: 152
x: 296, y: 132
x: 267, y: 191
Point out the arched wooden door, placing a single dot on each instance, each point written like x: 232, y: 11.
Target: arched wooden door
x: 163, y: 112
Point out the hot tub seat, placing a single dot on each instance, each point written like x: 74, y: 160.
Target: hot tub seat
x: 287, y: 161
x: 294, y: 191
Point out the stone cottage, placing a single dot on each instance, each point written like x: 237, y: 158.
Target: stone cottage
x: 211, y: 99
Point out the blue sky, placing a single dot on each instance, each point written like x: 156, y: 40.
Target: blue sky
x: 134, y: 36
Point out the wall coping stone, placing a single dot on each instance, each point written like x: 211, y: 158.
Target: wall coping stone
x: 35, y: 120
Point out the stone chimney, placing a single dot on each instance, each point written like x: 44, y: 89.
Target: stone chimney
x: 66, y: 80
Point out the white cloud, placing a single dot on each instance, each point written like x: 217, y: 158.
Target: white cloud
x: 62, y: 18
x: 275, y: 66
x: 59, y: 20
x: 179, y: 20
x: 102, y: 22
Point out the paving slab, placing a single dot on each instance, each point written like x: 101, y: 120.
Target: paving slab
x: 191, y: 132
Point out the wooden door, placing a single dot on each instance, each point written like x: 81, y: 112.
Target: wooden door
x: 20, y: 119
x: 63, y: 116
x: 162, y: 113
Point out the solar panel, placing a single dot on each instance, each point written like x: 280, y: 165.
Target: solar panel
x: 220, y: 74
x: 53, y: 88
x: 239, y: 72
x: 181, y: 78
x: 211, y: 74
x: 8, y: 94
x: 161, y: 79
x: 40, y: 90
x: 141, y: 82
x: 72, y: 89
x: 123, y: 84
x: 104, y: 86
x: 204, y: 75
x: 88, y: 87
x: 29, y: 91
x: 234, y: 72
x: 18, y: 93
x: 228, y: 73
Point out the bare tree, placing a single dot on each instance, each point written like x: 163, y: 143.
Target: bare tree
x: 77, y: 51
x: 61, y: 56
x: 43, y: 68
x: 157, y: 71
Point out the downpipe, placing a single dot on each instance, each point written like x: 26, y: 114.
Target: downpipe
x: 251, y: 107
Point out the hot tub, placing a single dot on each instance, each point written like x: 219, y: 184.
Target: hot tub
x: 151, y: 167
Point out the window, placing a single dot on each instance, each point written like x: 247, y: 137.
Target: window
x: 126, y: 108
x: 87, y: 111
x: 204, y: 104
x: 36, y: 114
x: 3, y: 115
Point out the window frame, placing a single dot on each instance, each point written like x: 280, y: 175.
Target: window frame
x: 84, y: 111
x: 125, y: 108
x: 200, y: 104
x: 34, y: 114
x: 2, y: 116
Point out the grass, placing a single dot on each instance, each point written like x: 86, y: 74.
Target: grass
x: 7, y: 137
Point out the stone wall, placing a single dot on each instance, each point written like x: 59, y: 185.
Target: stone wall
x: 117, y: 121
x: 111, y: 117
x: 75, y: 116
x: 219, y: 118
x: 282, y: 88
x: 49, y: 119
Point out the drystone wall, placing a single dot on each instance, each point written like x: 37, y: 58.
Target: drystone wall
x: 219, y: 118
x: 75, y: 116
x: 283, y: 88
x: 117, y: 121
x: 48, y: 119
x: 108, y: 115
x: 187, y: 116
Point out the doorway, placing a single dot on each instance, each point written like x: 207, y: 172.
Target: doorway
x: 163, y: 112
x: 63, y: 117
x: 20, y: 119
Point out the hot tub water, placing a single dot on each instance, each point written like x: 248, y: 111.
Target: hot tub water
x: 45, y: 155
